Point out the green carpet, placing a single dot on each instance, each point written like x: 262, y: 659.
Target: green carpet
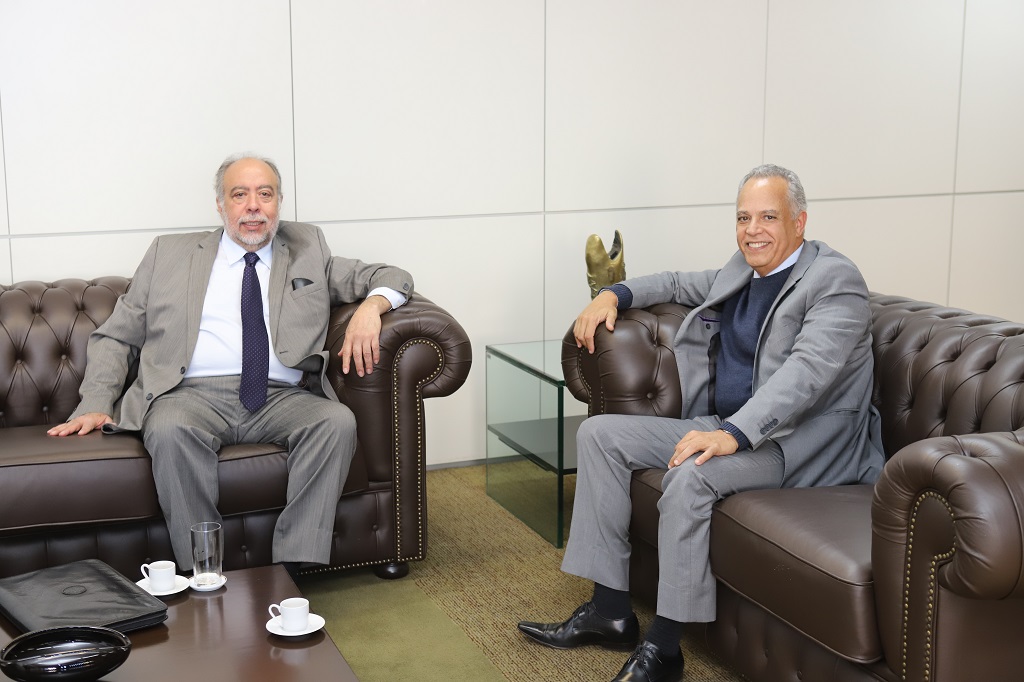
x: 394, y: 631
x: 454, y: 617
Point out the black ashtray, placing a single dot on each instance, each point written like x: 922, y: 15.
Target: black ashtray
x: 65, y: 654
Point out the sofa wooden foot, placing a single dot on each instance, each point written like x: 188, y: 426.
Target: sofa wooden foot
x: 392, y: 571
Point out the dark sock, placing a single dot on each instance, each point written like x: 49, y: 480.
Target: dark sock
x: 665, y: 635
x: 611, y: 604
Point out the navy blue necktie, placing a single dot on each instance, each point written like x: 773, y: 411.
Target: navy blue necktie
x: 252, y: 389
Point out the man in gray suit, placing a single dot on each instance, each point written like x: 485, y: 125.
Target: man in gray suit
x: 201, y: 315
x: 775, y: 366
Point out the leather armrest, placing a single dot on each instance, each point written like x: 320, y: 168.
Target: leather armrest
x: 439, y: 371
x: 633, y: 369
x: 947, y: 517
x: 979, y: 480
x: 424, y: 353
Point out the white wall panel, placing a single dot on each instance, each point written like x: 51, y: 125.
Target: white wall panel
x: 652, y: 103
x: 86, y: 256
x: 863, y: 96
x: 418, y: 109
x: 991, y: 137
x: 5, y: 262
x: 117, y: 113
x: 654, y: 240
x: 985, y: 274
x: 487, y: 273
x: 900, y: 245
x: 3, y: 176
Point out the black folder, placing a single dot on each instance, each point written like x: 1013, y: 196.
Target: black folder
x: 87, y: 592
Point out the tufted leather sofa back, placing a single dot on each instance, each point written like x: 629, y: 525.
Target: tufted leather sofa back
x: 942, y: 371
x: 939, y: 371
x: 44, y: 331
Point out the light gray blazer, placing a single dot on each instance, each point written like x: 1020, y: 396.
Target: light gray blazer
x: 157, y: 320
x: 813, y: 369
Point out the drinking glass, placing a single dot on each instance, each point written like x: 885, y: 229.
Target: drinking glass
x: 207, y: 554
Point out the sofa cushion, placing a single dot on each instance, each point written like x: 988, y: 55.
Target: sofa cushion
x: 103, y: 478
x: 804, y: 555
x: 47, y: 481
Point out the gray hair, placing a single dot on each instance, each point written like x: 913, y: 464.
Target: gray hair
x: 795, y: 191
x: 218, y: 182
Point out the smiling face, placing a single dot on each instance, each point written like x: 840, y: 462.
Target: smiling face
x: 251, y: 203
x: 767, y: 232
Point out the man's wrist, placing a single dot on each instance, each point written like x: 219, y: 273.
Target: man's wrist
x: 378, y: 302
x: 623, y: 296
x: 732, y: 430
x: 396, y: 298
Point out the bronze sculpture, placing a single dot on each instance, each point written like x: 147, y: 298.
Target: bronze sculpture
x: 604, y: 268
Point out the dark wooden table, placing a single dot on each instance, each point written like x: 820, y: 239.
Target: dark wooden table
x: 222, y: 636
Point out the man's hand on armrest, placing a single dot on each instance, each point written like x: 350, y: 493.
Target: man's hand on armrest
x: 81, y: 425
x: 362, y: 336
x: 604, y: 308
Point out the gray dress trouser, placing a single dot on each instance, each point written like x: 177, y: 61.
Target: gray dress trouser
x: 610, y: 448
x: 184, y: 429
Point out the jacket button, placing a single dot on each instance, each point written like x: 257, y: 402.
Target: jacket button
x: 182, y: 370
x: 149, y: 396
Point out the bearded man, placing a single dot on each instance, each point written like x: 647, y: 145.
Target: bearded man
x: 201, y: 316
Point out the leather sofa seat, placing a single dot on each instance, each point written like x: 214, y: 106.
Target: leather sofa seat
x: 94, y: 478
x: 804, y: 556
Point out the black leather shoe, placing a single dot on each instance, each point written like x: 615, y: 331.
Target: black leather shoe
x: 645, y: 666
x: 585, y: 626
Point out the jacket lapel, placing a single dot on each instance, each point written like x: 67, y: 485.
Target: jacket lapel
x: 733, y: 277
x: 198, y: 281
x: 807, y: 256
x: 278, y: 272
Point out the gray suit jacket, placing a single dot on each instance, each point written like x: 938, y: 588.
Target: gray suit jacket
x: 813, y: 370
x: 157, y: 320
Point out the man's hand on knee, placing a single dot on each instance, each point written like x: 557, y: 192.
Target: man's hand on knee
x: 705, y: 444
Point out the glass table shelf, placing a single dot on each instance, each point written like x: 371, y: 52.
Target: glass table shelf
x: 531, y: 441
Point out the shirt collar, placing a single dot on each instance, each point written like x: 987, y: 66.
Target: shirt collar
x: 233, y: 252
x: 785, y: 264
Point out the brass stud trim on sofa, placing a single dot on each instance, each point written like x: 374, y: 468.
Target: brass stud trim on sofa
x: 590, y: 390
x: 420, y: 454
x: 932, y: 581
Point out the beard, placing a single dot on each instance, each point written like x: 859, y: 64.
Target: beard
x: 241, y: 236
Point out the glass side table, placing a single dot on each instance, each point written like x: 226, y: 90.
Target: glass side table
x: 531, y: 442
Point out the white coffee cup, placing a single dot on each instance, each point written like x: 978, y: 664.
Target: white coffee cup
x: 160, y: 575
x: 294, y: 613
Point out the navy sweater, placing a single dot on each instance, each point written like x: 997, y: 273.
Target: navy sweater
x: 742, y: 317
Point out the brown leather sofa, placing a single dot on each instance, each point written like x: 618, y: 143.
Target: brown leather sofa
x: 64, y: 499
x: 919, y: 577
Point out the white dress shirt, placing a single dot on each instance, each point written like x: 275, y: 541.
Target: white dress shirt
x: 793, y: 257
x: 219, y: 346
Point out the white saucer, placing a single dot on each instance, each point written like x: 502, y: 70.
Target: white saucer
x: 315, y: 623
x: 207, y: 588
x: 180, y: 583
